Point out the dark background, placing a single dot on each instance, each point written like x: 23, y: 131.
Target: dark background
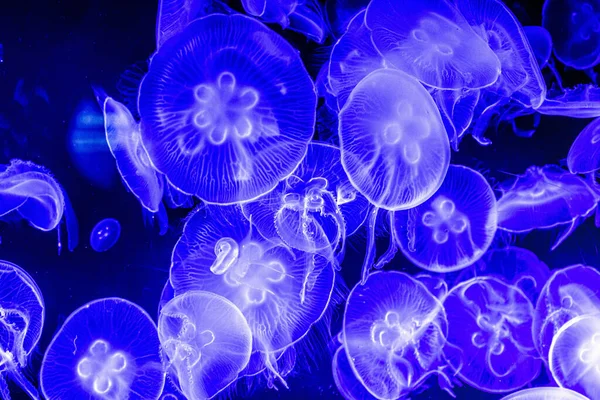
x: 58, y: 50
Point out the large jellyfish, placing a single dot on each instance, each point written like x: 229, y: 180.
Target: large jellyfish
x: 21, y: 321
x: 489, y: 335
x: 454, y: 227
x: 541, y: 43
x: 282, y: 292
x: 343, y: 375
x: 545, y: 393
x: 584, y: 154
x: 107, y: 349
x: 227, y: 109
x: 565, y: 200
x: 394, y: 332
x: 433, y: 42
x: 575, y: 29
x: 206, y: 339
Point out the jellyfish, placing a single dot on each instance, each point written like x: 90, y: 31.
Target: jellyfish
x: 489, y: 342
x: 541, y: 43
x: 22, y: 313
x: 346, y: 382
x: 108, y: 349
x: 227, y: 109
x: 545, y: 393
x: 575, y: 29
x: 574, y: 359
x: 581, y: 101
x: 394, y: 332
x: 454, y: 227
x: 431, y: 41
x: 564, y: 198
x: 207, y: 341
x: 584, y: 154
x: 280, y: 291
x: 570, y: 292
x: 105, y: 234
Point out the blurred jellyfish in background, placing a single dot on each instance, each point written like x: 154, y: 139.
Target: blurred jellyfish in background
x: 107, y: 349
x: 584, y: 154
x: 341, y: 12
x: 394, y: 333
x: 105, y: 234
x: 454, y: 227
x: 230, y: 116
x: 541, y: 43
x: 489, y: 335
x: 545, y: 393
x: 345, y: 380
x: 207, y: 341
x: 22, y: 313
x: 565, y: 199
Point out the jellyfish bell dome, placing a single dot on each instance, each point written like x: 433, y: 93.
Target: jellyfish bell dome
x: 227, y: 109
x: 545, y: 393
x: 584, y: 154
x: 541, y: 43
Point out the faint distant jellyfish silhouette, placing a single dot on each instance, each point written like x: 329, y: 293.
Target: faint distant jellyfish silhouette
x: 541, y: 43
x: 565, y: 198
x: 22, y: 313
x: 431, y: 41
x: 454, y: 227
x: 584, y: 154
x: 489, y: 335
x: 575, y: 29
x: 545, y: 393
x: 105, y: 234
x: 206, y: 339
x: 343, y: 375
x: 242, y: 122
x: 107, y: 349
x: 394, y: 332
x: 574, y: 359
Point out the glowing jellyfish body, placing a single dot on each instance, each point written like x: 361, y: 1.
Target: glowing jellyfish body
x: 545, y: 393
x: 227, y: 109
x: 489, y: 335
x: 575, y: 29
x: 105, y: 234
x: 107, y: 349
x: 394, y: 332
x: 22, y: 314
x: 207, y: 340
x: 541, y: 43
x: 584, y: 154
x: 346, y: 382
x: 454, y: 227
x: 582, y: 101
x: 431, y: 41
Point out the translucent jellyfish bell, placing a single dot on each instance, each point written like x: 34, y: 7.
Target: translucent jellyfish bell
x: 545, y: 393
x: 489, y: 335
x: 584, y: 154
x: 431, y: 41
x: 343, y: 375
x: 575, y: 29
x: 107, y: 349
x: 454, y: 227
x: 206, y: 339
x: 22, y: 314
x: 227, y: 109
x: 394, y: 332
x: 105, y: 234
x: 541, y: 43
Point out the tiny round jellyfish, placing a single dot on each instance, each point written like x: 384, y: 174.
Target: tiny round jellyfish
x: 584, y: 154
x: 454, y: 227
x: 541, y: 43
x: 489, y: 335
x: 431, y: 41
x: 207, y: 340
x: 545, y: 393
x: 227, y: 109
x: 394, y: 332
x: 343, y: 375
x: 107, y: 349
x: 105, y: 234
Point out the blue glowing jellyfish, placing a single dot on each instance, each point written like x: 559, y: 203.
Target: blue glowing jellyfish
x: 431, y: 41
x: 489, y: 335
x: 346, y: 382
x: 575, y: 29
x: 545, y: 393
x: 565, y: 199
x: 394, y: 332
x: 454, y: 227
x: 570, y: 292
x: 107, y: 349
x: 105, y: 234
x: 207, y: 341
x: 21, y: 321
x: 227, y: 109
x: 584, y: 154
x: 282, y: 292
x: 581, y: 101
x: 541, y: 43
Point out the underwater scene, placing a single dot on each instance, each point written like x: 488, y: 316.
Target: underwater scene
x: 300, y: 199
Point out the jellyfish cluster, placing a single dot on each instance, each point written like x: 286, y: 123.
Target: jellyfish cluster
x: 320, y: 166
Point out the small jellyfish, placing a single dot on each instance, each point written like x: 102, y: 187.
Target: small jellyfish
x: 574, y: 359
x: 22, y: 313
x: 431, y: 41
x: 454, y: 227
x: 489, y: 335
x: 584, y: 154
x: 343, y: 375
x: 541, y: 43
x: 206, y: 339
x: 545, y: 393
x: 394, y: 332
x: 575, y: 29
x: 227, y: 109
x: 582, y: 101
x: 107, y: 349
x: 105, y: 234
